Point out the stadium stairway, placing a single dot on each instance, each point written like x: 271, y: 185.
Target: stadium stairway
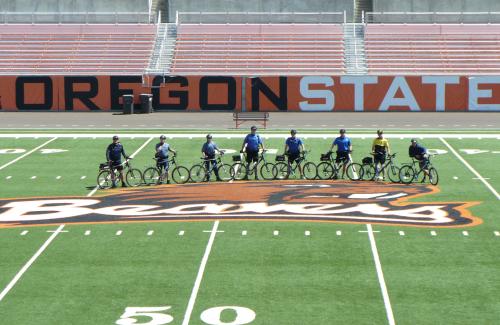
x: 354, y: 49
x: 163, y: 51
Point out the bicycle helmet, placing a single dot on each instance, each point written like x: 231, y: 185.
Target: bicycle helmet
x: 162, y: 137
x: 293, y: 131
x: 209, y: 136
x: 253, y: 128
x: 342, y: 131
x: 115, y: 137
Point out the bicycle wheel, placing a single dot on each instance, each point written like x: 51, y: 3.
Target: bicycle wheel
x: 281, y: 170
x: 180, y: 175
x: 310, y: 170
x: 133, y: 177
x: 354, y: 171
x: 393, y: 173
x: 151, y: 176
x: 104, y: 180
x: 197, y: 173
x: 434, y: 176
x: 406, y: 174
x: 239, y: 171
x: 268, y: 171
x: 368, y: 172
x: 225, y: 172
x: 325, y: 170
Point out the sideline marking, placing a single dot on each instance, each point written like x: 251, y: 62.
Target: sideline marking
x: 380, y: 275
x: 27, y: 154
x: 199, y: 277
x: 131, y: 156
x: 29, y: 263
x: 471, y: 169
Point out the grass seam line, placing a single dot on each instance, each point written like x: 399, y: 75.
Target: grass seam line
x: 380, y: 275
x: 481, y: 178
x: 28, y: 264
x: 199, y: 277
x: 27, y: 154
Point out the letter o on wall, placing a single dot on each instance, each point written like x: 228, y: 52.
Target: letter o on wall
x: 230, y: 96
x: 20, y: 93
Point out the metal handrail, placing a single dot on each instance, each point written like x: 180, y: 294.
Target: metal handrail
x: 74, y: 17
x: 407, y: 16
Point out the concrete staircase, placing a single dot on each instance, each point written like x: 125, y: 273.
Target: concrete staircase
x: 359, y: 7
x: 163, y: 51
x: 354, y: 49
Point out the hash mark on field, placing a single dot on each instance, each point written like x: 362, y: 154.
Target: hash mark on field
x: 181, y: 233
x: 58, y: 177
x: 433, y: 233
x: 119, y: 232
x: 276, y: 233
x: 87, y: 233
x: 24, y: 232
x: 33, y: 177
x: 307, y: 233
x: 465, y: 233
x: 244, y: 233
x: 339, y: 233
x: 455, y: 177
x: 497, y: 233
x: 401, y: 233
x: 8, y: 177
x: 150, y: 233
x: 83, y: 177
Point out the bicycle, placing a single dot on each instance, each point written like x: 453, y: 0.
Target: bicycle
x: 199, y: 172
x: 133, y: 176
x: 241, y: 171
x: 413, y: 172
x: 392, y: 169
x: 284, y: 170
x: 156, y: 175
x: 329, y: 168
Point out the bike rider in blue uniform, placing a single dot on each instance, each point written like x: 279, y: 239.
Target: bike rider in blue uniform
x: 114, y: 154
x: 208, y: 151
x: 419, y: 153
x: 251, y: 146
x: 344, y: 149
x: 161, y: 153
x: 293, y: 148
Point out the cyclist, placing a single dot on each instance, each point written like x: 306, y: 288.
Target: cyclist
x: 161, y: 152
x: 293, y: 148
x: 251, y: 146
x: 420, y: 153
x: 208, y: 151
x: 380, y: 149
x: 344, y: 148
x: 114, y: 154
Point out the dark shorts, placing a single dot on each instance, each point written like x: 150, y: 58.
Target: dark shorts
x: 424, y: 163
x: 117, y: 165
x: 293, y: 157
x: 162, y: 163
x: 252, y: 156
x: 379, y: 158
x: 342, y: 156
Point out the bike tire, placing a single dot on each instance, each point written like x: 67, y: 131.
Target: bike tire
x: 281, y: 170
x: 310, y: 170
x: 225, y: 172
x: 393, y: 173
x: 134, y: 177
x: 434, y: 176
x: 268, y: 171
x: 239, y: 171
x: 325, y: 170
x: 180, y: 175
x: 368, y: 172
x: 354, y: 172
x: 406, y: 174
x: 197, y: 173
x: 104, y: 180
x: 151, y: 176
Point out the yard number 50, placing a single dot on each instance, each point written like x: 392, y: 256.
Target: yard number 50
x: 210, y: 316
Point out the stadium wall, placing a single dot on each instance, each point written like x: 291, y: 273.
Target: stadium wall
x: 434, y: 6
x: 225, y: 93
x: 74, y: 5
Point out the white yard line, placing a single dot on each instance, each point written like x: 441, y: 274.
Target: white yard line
x: 481, y: 178
x: 199, y: 277
x: 29, y: 263
x: 380, y: 275
x: 28, y: 153
x: 132, y: 156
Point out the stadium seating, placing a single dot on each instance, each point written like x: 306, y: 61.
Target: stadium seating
x: 121, y: 49
x: 432, y: 48
x: 263, y: 49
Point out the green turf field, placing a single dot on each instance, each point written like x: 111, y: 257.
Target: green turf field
x: 218, y: 271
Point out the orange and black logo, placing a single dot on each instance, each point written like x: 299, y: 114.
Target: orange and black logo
x: 284, y: 201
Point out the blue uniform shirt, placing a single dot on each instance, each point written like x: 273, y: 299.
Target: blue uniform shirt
x: 293, y: 145
x: 115, y: 151
x: 252, y: 141
x: 417, y: 150
x: 162, y: 150
x: 209, y: 148
x: 342, y: 144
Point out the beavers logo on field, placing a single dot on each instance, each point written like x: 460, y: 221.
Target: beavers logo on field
x: 276, y: 201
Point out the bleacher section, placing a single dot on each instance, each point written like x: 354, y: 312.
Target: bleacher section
x: 432, y: 48
x: 104, y: 49
x: 258, y: 49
